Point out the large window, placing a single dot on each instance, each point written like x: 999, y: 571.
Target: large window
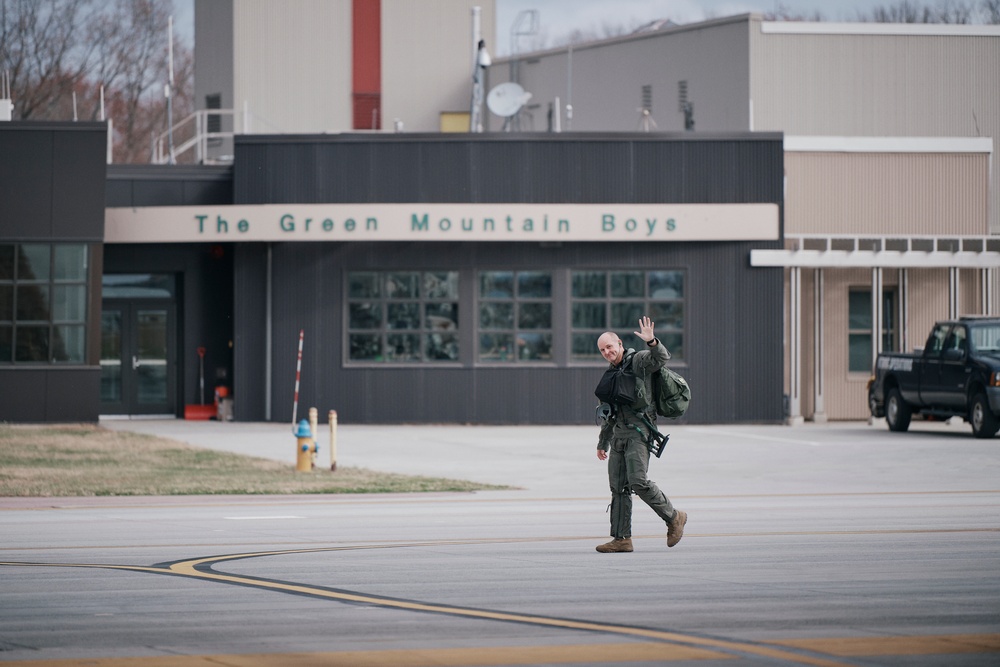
x: 615, y: 300
x: 515, y: 316
x: 402, y: 316
x: 859, y: 335
x: 43, y: 302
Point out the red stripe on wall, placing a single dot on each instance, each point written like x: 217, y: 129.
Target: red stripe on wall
x: 366, y: 70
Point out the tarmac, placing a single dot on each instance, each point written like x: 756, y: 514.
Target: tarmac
x: 561, y: 461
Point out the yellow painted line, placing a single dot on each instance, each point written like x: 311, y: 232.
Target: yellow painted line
x: 870, y: 646
x: 445, y: 657
x: 195, y: 569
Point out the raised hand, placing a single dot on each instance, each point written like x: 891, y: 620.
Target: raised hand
x: 645, y: 331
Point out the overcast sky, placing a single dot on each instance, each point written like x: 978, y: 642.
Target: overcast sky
x: 557, y: 18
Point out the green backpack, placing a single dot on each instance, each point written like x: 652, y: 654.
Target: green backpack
x: 671, y: 393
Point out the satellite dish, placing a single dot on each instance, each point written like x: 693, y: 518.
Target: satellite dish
x: 507, y: 99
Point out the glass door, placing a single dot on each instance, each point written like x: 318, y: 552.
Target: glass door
x: 138, y: 368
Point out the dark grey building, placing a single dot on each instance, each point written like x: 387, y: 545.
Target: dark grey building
x: 52, y: 179
x: 469, y: 309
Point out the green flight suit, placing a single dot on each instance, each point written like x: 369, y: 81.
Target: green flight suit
x: 624, y: 438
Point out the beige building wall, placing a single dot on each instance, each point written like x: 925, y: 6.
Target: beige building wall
x: 292, y: 64
x: 879, y: 187
x: 844, y: 392
x: 868, y: 79
x: 427, y: 54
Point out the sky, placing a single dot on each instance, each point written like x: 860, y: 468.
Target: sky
x: 561, y: 17
x: 557, y: 18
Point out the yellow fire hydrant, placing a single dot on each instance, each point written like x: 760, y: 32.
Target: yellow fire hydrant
x: 305, y: 448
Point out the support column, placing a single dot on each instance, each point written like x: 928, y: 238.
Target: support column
x: 819, y: 362
x: 953, y: 293
x: 904, y: 310
x: 795, y: 346
x: 876, y: 313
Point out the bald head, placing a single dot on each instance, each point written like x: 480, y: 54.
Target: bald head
x: 610, y: 346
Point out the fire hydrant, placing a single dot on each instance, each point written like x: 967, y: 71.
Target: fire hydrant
x: 305, y: 448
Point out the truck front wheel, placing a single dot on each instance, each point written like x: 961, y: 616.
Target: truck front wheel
x: 984, y: 422
x: 897, y: 412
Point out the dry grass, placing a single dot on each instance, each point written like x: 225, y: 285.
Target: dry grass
x: 87, y: 460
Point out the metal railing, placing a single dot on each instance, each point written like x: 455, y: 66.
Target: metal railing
x: 195, y: 136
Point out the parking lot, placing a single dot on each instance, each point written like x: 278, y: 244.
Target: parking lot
x: 821, y: 544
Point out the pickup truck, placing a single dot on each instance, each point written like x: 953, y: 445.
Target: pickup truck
x: 957, y: 374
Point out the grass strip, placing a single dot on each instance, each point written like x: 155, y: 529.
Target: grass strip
x: 87, y: 460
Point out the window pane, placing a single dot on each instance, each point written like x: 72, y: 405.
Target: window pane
x: 67, y: 343
x: 402, y: 347
x: 32, y: 344
x: 589, y: 285
x: 33, y: 262
x: 626, y: 284
x: 666, y: 316
x: 495, y: 347
x: 496, y: 315
x: 365, y: 347
x: 534, y: 346
x: 589, y: 316
x: 70, y: 262
x: 6, y: 343
x: 534, y: 284
x: 363, y: 286
x: 535, y: 316
x: 496, y: 284
x: 403, y: 316
x: 402, y: 286
x: 442, y: 347
x: 6, y: 261
x: 33, y: 302
x: 365, y: 316
x: 111, y: 356
x: 442, y: 316
x: 69, y: 303
x: 860, y: 310
x: 6, y: 303
x: 138, y: 285
x: 443, y: 285
x: 585, y: 346
x: 626, y: 316
x: 860, y: 352
x: 674, y: 343
x: 666, y: 284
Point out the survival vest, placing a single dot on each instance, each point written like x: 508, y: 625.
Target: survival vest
x: 671, y: 393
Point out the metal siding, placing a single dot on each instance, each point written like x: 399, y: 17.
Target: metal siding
x: 878, y: 85
x: 249, y: 330
x: 607, y: 80
x: 729, y: 304
x: 893, y: 193
x: 146, y: 185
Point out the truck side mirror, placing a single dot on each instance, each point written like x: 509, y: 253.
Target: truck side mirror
x: 953, y: 355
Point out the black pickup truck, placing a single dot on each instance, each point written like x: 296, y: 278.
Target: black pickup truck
x: 957, y: 374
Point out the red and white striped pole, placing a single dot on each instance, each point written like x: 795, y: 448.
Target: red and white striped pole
x: 298, y: 372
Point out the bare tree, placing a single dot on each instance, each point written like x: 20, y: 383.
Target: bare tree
x: 943, y: 11
x: 57, y: 48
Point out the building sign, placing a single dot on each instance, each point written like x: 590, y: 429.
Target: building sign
x: 443, y: 222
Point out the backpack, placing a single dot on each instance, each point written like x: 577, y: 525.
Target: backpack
x: 671, y: 393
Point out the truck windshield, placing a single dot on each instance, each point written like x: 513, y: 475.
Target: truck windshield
x: 985, y: 337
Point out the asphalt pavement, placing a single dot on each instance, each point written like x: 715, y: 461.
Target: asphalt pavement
x: 819, y: 544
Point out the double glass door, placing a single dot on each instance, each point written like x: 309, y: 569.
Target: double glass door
x: 138, y: 358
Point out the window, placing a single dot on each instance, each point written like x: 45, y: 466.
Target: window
x: 43, y: 303
x: 859, y: 335
x: 515, y: 316
x: 402, y: 316
x: 615, y: 300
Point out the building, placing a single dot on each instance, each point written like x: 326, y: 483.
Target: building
x: 889, y: 136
